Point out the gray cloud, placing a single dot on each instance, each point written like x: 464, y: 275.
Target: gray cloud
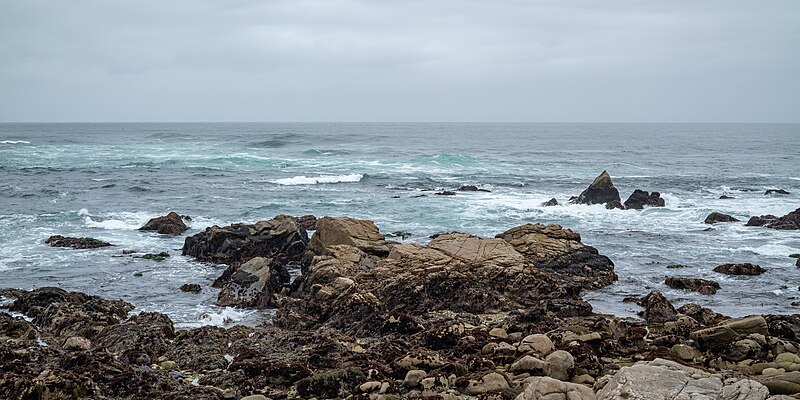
x: 314, y: 60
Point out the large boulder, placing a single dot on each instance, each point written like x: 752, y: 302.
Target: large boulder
x: 721, y: 336
x: 640, y: 198
x: 715, y: 217
x: 359, y: 233
x: 76, y: 243
x: 782, y: 384
x: 254, y: 284
x: 657, y: 308
x: 601, y: 191
x: 702, y: 286
x: 170, y: 224
x: 740, y: 269
x: 662, y: 379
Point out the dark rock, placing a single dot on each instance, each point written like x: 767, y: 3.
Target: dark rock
x: 16, y: 328
x: 76, y: 243
x: 640, y: 198
x: 550, y: 203
x: 740, y: 269
x: 472, y: 188
x: 715, y: 217
x: 254, y: 284
x: 761, y: 220
x: 797, y: 263
x: 445, y: 193
x: 191, y: 288
x: 702, y: 286
x: 338, y: 383
x: 307, y: 222
x: 726, y: 197
x: 614, y: 204
x: 790, y: 221
x: 776, y: 191
x: 675, y: 266
x: 657, y: 308
x: 601, y: 191
x: 280, y: 239
x: 155, y: 257
x: 170, y: 224
x: 704, y: 316
x: 141, y: 340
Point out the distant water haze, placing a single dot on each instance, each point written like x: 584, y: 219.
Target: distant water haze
x: 106, y: 180
x: 440, y: 60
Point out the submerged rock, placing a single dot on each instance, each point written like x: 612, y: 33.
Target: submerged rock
x: 472, y: 188
x: 76, y: 243
x: 776, y: 191
x: 170, y: 224
x: 601, y: 191
x: 740, y: 269
x: 640, y: 198
x: 702, y: 286
x: 191, y: 288
x: 550, y: 203
x: 715, y: 217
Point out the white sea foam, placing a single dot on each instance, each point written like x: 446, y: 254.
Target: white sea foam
x: 83, y: 212
x: 119, y: 221
x: 313, y: 180
x: 14, y: 142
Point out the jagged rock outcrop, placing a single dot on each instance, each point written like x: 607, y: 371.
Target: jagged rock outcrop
x: 715, y: 217
x: 601, y: 191
x: 640, y: 198
x: 254, y: 284
x: 361, y: 234
x: 76, y: 243
x: 657, y: 308
x: 307, y: 222
x: 170, y: 224
x: 550, y: 203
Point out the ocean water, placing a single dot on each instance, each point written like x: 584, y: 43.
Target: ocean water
x: 106, y: 180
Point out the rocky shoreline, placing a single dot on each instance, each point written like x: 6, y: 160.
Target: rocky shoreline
x: 459, y: 317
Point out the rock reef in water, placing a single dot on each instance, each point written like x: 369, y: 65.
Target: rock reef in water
x: 640, y: 198
x: 715, y: 217
x: 601, y: 191
x: 170, y: 224
x: 790, y: 221
x: 76, y: 243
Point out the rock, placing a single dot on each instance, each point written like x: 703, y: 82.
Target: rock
x: 726, y: 197
x: 489, y: 383
x: 784, y: 383
x: 413, y: 378
x: 702, y: 286
x: 529, y: 364
x: 723, y: 335
x: 16, y: 328
x: 761, y: 220
x: 499, y: 333
x: 790, y: 221
x: 657, y: 308
x: 662, y: 379
x: 140, y: 340
x: 170, y: 224
x: 191, y: 288
x: 307, y: 222
x: 685, y: 353
x: 361, y: 234
x: 640, y: 198
x: 560, y: 365
x: 550, y: 203
x: 540, y: 343
x: 155, y: 256
x: 776, y: 191
x: 472, y: 188
x: 740, y: 269
x: 676, y: 266
x: 76, y: 243
x: 715, y: 217
x: 546, y: 388
x: 445, y: 193
x: 601, y: 191
x: 255, y: 397
x: 77, y: 343
x: 743, y: 349
x: 254, y: 284
x: 704, y: 316
x: 279, y: 239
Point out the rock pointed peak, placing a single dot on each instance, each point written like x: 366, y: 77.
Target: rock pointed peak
x: 602, y: 181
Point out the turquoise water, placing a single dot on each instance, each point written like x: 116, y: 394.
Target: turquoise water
x: 106, y: 180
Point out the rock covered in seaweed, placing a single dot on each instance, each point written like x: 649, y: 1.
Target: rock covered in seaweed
x: 740, y: 269
x: 702, y: 286
x: 76, y: 243
x: 601, y: 191
x: 170, y: 224
x: 790, y: 221
x: 254, y: 284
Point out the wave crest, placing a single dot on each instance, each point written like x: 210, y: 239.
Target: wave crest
x: 313, y: 180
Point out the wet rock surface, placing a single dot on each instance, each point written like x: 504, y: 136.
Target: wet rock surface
x: 640, y: 198
x: 790, y: 221
x: 702, y: 286
x: 601, y: 191
x: 76, y: 243
x: 740, y: 269
x: 170, y: 224
x: 715, y: 217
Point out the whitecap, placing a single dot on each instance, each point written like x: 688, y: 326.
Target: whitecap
x: 83, y: 212
x: 14, y: 142
x: 313, y: 180
x: 119, y: 221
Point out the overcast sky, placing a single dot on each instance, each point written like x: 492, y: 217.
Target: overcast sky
x: 382, y: 60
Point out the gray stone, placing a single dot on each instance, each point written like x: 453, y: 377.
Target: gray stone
x: 545, y: 388
x: 730, y: 331
x: 491, y: 382
x: 529, y: 364
x: 560, y: 365
x: 539, y: 343
x: 413, y: 378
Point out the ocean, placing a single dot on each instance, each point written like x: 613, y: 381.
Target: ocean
x: 104, y: 180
